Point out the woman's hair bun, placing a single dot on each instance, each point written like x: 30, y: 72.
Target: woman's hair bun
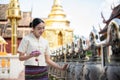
x: 30, y: 25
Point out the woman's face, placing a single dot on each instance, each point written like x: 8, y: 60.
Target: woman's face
x: 39, y: 29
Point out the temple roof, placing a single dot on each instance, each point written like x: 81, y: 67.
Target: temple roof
x: 26, y: 19
x: 115, y: 14
x: 3, y: 8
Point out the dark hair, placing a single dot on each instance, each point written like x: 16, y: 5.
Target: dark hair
x: 35, y: 22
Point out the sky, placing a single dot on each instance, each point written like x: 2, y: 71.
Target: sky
x: 82, y: 14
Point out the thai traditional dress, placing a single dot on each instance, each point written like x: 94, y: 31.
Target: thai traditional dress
x: 35, y: 67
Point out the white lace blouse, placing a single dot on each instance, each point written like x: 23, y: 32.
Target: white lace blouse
x: 30, y: 43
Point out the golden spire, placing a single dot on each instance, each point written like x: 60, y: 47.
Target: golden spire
x: 57, y: 2
x: 57, y: 14
x: 14, y: 14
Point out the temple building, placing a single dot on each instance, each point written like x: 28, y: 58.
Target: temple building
x: 57, y: 30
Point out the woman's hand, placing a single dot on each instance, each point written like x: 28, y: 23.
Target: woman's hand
x: 65, y: 66
x: 35, y: 53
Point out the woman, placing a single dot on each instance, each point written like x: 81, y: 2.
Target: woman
x: 34, y: 50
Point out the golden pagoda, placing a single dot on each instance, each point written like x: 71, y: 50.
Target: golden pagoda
x: 57, y: 30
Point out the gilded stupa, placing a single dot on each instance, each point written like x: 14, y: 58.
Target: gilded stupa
x: 57, y: 27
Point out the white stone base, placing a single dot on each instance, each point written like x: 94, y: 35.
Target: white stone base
x: 16, y: 67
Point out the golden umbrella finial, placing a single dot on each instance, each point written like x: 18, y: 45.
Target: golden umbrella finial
x: 14, y: 14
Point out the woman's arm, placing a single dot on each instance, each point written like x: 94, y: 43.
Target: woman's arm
x: 52, y: 63
x: 23, y: 57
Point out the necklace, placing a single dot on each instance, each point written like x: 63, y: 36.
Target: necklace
x: 37, y: 58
